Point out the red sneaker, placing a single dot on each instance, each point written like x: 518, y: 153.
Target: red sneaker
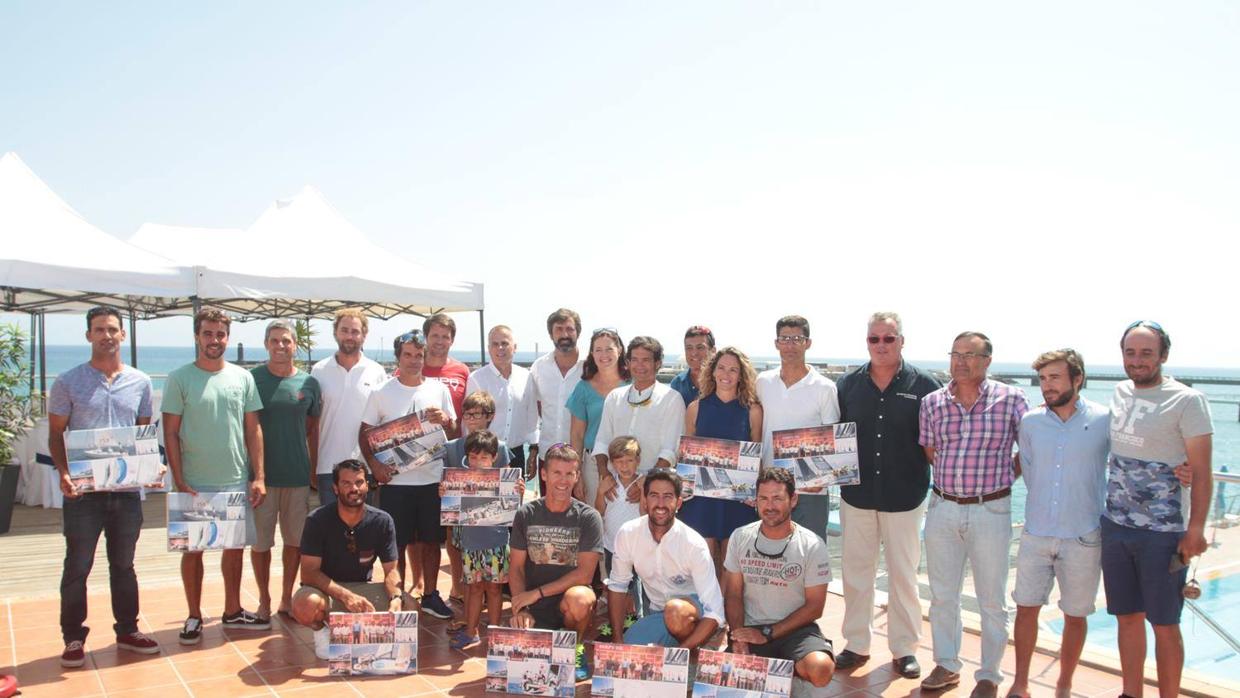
x: 137, y: 642
x: 74, y: 655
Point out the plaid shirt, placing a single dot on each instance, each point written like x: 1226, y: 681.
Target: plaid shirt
x: 973, y: 447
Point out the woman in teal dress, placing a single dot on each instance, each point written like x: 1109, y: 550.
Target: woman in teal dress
x: 605, y: 369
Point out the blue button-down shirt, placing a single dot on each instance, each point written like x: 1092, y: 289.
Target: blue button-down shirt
x: 1065, y: 469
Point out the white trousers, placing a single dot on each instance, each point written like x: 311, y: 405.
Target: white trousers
x: 899, y: 535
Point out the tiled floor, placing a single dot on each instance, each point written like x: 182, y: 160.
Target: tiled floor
x: 281, y: 662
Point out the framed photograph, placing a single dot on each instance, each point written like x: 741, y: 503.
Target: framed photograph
x: 823, y: 456
x: 531, y: 662
x: 479, y: 497
x: 208, y: 521
x: 718, y: 468
x: 373, y: 644
x: 639, y: 671
x: 115, y: 459
x: 727, y: 675
x: 407, y: 442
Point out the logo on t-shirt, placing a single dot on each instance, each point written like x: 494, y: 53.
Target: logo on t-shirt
x: 763, y: 571
x: 790, y: 572
x: 553, y: 545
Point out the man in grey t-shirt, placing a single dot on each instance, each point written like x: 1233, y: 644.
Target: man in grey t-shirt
x: 1156, y: 424
x: 775, y: 579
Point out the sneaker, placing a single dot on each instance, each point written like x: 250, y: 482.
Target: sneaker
x: 629, y: 620
x: 582, y: 672
x: 604, y: 631
x: 191, y: 632
x: 74, y: 655
x: 940, y: 678
x: 137, y: 642
x: 322, y: 639
x: 434, y: 605
x: 244, y: 620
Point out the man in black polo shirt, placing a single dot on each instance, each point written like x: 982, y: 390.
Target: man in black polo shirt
x: 884, y: 398
x: 339, y: 545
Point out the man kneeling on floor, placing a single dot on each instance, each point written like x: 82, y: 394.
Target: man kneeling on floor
x: 676, y: 569
x: 775, y: 579
x: 339, y: 545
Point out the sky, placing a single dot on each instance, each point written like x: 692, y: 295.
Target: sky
x: 1045, y: 173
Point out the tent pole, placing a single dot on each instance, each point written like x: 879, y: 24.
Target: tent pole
x: 43, y: 354
x: 33, y: 334
x: 133, y: 339
x: 482, y: 339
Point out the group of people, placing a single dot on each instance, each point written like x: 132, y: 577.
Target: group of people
x: 1106, y: 491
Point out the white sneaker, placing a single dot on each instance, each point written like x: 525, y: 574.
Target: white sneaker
x: 322, y: 638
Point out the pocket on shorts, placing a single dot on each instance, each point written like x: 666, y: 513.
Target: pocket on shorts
x: 1002, y: 505
x: 1093, y: 539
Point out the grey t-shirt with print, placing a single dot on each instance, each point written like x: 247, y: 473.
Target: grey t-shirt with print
x: 552, y: 540
x: 1148, y: 429
x: 775, y: 586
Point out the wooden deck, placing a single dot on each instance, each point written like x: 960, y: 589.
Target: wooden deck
x: 281, y: 662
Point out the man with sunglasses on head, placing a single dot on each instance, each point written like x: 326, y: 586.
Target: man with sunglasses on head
x: 1156, y: 423
x: 796, y: 395
x: 412, y: 497
x: 775, y: 578
x: 646, y: 409
x: 699, y: 347
x: 885, y: 509
x: 968, y: 429
x: 555, y: 375
x: 339, y: 545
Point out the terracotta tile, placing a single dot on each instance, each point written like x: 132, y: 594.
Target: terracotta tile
x: 477, y: 689
x: 77, y: 685
x: 392, y: 686
x: 451, y: 675
x: 173, y: 691
x: 336, y: 689
x: 212, y: 667
x: 30, y: 620
x: 288, y: 677
x: 29, y: 650
x: 112, y: 658
x: 133, y: 677
x: 247, y: 683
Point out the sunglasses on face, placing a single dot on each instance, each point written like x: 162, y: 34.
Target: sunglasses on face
x: 888, y: 339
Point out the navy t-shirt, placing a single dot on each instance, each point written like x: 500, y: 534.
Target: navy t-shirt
x: 326, y: 536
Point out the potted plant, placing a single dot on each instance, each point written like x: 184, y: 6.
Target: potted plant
x: 14, y: 415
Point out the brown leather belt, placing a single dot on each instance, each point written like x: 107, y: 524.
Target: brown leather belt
x: 976, y: 499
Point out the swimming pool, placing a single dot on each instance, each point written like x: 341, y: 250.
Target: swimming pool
x: 1204, y: 650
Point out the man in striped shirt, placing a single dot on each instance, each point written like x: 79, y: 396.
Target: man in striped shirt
x: 968, y: 428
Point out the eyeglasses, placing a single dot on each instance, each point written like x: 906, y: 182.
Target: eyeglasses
x: 350, y: 541
x: 412, y: 336
x: 479, y: 414
x: 772, y: 556
x: 1146, y: 323
x: 791, y: 339
x: 966, y: 355
x: 886, y: 339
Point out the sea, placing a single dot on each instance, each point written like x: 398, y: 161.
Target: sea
x: 158, y: 361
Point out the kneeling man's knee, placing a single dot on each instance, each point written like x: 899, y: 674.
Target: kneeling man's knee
x: 816, y: 668
x: 680, y: 616
x: 577, y: 604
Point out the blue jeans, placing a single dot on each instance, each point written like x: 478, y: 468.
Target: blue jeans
x: 652, y: 629
x: 119, y: 516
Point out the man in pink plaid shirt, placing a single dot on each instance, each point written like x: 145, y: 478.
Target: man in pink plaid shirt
x: 968, y: 428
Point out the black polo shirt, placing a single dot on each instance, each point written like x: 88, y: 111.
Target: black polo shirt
x: 325, y: 536
x: 895, y: 474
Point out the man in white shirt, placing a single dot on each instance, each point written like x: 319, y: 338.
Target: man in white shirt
x: 555, y: 375
x: 676, y: 569
x: 647, y: 410
x: 346, y: 380
x: 412, y: 497
x: 796, y: 395
x: 516, y: 400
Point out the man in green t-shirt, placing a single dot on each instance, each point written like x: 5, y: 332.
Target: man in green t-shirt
x: 214, y: 444
x: 292, y: 403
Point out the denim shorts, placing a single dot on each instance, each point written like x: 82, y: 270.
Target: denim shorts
x: 1136, y: 573
x: 1075, y: 562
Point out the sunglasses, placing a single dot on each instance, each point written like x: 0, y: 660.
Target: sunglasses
x: 604, y: 330
x: 350, y: 541
x: 411, y: 336
x: 888, y: 339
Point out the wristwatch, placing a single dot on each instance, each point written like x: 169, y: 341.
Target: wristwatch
x: 767, y: 631
x: 398, y: 595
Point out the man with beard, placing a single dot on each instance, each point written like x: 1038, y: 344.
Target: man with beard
x: 338, y: 549
x: 676, y: 569
x: 775, y: 580
x: 555, y: 375
x: 968, y: 429
x: 1063, y: 456
x: 101, y: 393
x: 346, y: 380
x: 883, y: 398
x: 440, y: 331
x: 214, y: 443
x: 1156, y: 422
x: 290, y: 421
x: 412, y: 497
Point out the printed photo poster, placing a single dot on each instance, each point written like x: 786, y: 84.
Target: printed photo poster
x: 552, y: 545
x: 639, y: 671
x: 479, y: 496
x: 818, y: 456
x: 208, y: 521
x: 531, y: 662
x: 407, y: 442
x: 727, y: 675
x: 719, y: 468
x: 374, y: 644
x: 116, y: 458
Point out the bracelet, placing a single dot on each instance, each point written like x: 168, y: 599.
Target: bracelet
x: 540, y: 593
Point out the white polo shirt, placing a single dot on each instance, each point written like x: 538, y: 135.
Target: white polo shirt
x: 344, y: 397
x: 395, y: 399
x: 516, y: 403
x: 552, y: 389
x: 657, y: 425
x: 676, y: 566
x: 810, y: 402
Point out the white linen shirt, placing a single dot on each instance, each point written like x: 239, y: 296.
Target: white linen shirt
x: 676, y: 566
x: 552, y: 389
x: 810, y: 402
x: 516, y: 403
x: 657, y: 425
x: 395, y: 400
x: 344, y: 398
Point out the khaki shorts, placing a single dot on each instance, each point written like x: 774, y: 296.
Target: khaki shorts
x: 290, y: 505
